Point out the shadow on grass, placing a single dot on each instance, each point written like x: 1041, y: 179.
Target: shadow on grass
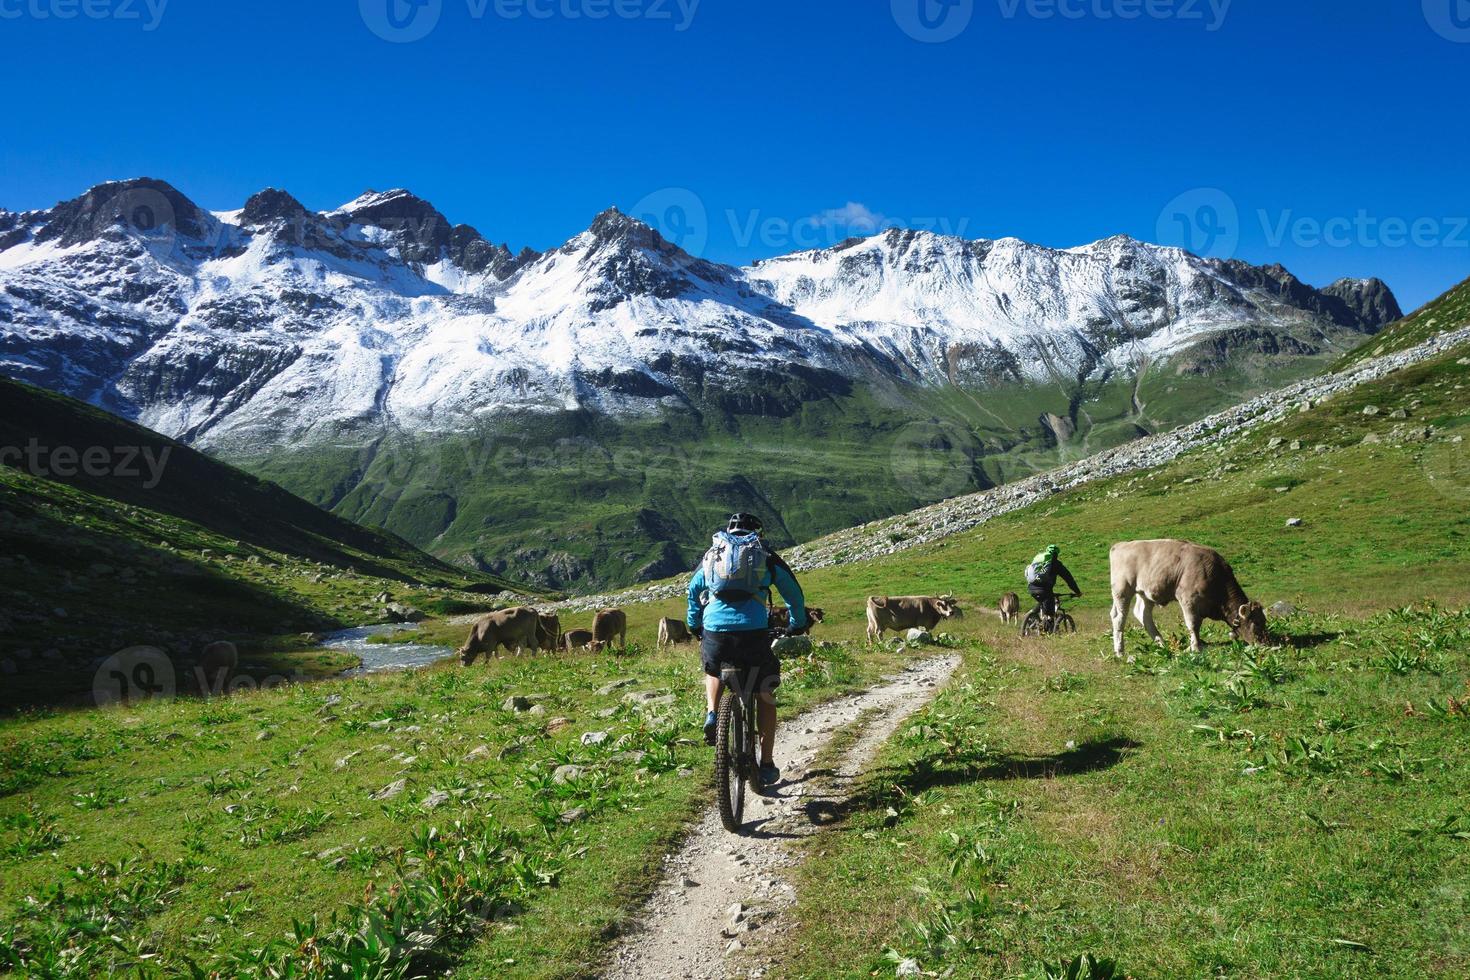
x: 929, y: 773
x: 1305, y: 641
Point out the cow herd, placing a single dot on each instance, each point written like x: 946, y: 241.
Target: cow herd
x: 1144, y: 574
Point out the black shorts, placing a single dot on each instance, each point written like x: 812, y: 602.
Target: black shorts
x: 747, y: 649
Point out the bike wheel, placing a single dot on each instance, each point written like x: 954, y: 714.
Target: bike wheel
x: 1032, y: 625
x: 1065, y: 624
x: 730, y: 761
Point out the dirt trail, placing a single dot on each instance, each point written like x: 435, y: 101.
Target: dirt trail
x: 722, y: 895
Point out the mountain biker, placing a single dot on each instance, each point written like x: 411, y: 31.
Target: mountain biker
x: 728, y: 612
x: 1041, y: 579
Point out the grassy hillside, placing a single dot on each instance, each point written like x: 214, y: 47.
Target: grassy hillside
x: 1450, y: 311
x: 113, y: 536
x: 1286, y: 813
x: 577, y: 501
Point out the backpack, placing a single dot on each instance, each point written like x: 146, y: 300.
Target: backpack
x: 1036, y: 571
x: 735, y: 565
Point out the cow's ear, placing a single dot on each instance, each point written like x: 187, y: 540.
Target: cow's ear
x: 1245, y: 612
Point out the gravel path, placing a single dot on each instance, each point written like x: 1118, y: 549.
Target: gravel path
x: 960, y: 514
x: 722, y: 896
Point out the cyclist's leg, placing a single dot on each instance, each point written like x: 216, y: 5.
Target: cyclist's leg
x: 766, y: 719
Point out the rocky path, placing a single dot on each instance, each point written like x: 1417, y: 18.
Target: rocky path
x: 960, y: 514
x: 722, y: 896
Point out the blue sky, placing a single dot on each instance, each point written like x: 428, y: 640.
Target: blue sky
x: 1330, y: 137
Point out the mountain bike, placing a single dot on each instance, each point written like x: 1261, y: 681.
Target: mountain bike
x: 1040, y: 623
x: 737, y: 742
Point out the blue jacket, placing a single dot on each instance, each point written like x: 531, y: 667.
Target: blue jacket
x: 720, y: 616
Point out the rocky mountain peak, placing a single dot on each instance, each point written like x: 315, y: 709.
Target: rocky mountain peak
x: 271, y: 204
x: 142, y: 204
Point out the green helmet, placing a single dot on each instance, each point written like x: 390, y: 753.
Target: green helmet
x: 1047, y: 555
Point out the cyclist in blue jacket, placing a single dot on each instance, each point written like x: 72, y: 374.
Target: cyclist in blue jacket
x: 728, y: 611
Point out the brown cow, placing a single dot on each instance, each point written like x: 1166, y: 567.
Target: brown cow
x: 515, y: 629
x: 1158, y: 572
x: 1010, y: 608
x: 908, y: 612
x: 548, y: 631
x: 672, y: 631
x: 575, y: 640
x: 216, y: 662
x: 607, y: 624
x: 781, y: 618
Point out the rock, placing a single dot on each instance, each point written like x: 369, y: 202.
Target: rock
x: 400, y: 613
x: 435, y: 800
x: 617, y: 685
x: 734, y: 947
x: 1283, y: 489
x: 606, y: 712
x: 574, y: 814
x: 383, y: 598
x: 1282, y: 608
x: 265, y: 734
x: 478, y: 753
x: 1275, y: 443
x: 1370, y: 409
x: 688, y: 882
x: 536, y: 710
x: 391, y: 790
x: 557, y: 724
x: 515, y: 702
x: 594, y: 738
x: 1304, y: 406
x: 342, y: 762
x: 1296, y: 445
x: 1399, y: 413
x: 736, y: 912
x: 566, y: 774
x: 1293, y: 522
x: 1372, y: 438
x: 921, y: 637
x: 907, y: 968
x: 381, y: 724
x: 792, y: 646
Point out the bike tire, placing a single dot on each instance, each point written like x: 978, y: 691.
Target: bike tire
x: 1065, y: 624
x: 1031, y: 626
x: 730, y: 762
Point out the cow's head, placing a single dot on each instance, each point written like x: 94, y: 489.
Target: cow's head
x: 948, y: 607
x: 467, y: 655
x: 1248, y: 624
x: 815, y: 614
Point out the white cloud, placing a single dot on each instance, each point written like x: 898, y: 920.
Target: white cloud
x: 852, y: 216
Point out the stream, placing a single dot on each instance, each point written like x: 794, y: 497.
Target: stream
x: 377, y: 657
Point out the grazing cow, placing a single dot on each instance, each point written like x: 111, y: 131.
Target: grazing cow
x: 575, y: 640
x: 908, y: 612
x: 548, y: 631
x: 216, y: 662
x: 1158, y: 572
x: 515, y: 629
x: 1010, y: 608
x: 672, y: 631
x: 781, y: 618
x: 606, y: 625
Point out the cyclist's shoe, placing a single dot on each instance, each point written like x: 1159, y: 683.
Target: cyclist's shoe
x: 769, y: 775
x: 709, y: 728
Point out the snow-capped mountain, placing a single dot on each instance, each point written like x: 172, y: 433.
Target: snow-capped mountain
x: 274, y: 325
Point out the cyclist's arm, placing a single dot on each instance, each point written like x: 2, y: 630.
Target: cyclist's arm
x: 694, y: 618
x: 790, y: 589
x: 1067, y: 577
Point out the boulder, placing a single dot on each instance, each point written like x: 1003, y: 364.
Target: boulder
x: 574, y: 814
x: 792, y: 646
x: 516, y: 703
x: 478, y: 753
x: 1280, y: 609
x: 1370, y: 409
x: 594, y: 738
x: 566, y: 774
x: 391, y: 790
x: 919, y: 636
x: 435, y: 800
x: 1293, y: 522
x: 400, y: 613
x: 617, y: 685
x: 1372, y: 438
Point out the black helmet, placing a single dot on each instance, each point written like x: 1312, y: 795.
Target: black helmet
x: 744, y: 524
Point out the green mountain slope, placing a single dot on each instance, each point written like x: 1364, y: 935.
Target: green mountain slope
x: 112, y: 536
x: 1448, y: 312
x: 581, y: 501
